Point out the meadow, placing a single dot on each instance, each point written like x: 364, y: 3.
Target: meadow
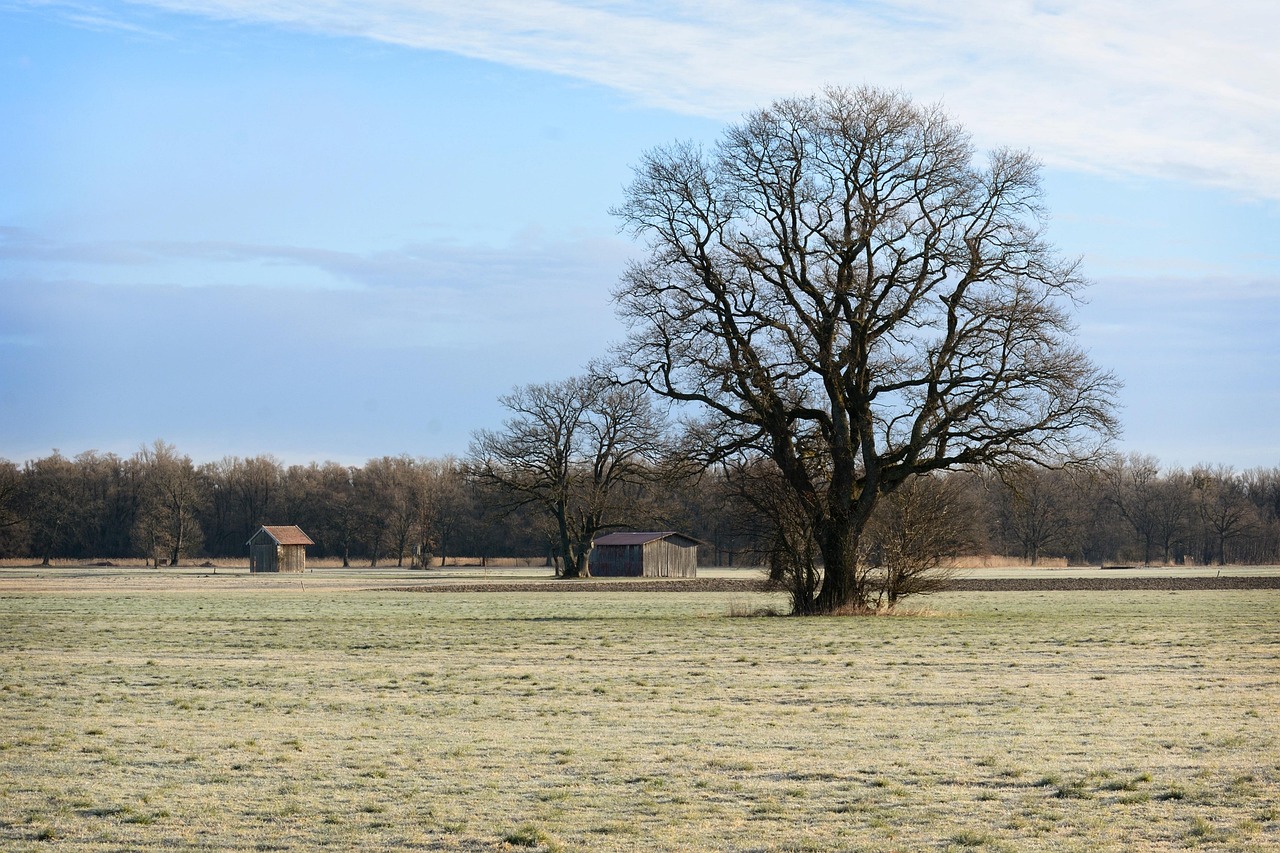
x: 199, y: 714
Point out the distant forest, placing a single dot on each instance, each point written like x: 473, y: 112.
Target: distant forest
x: 160, y: 505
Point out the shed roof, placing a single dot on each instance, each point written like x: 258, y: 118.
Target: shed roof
x: 642, y: 538
x: 283, y: 534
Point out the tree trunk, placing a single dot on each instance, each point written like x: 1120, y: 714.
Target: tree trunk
x: 177, y: 545
x: 576, y: 566
x: 567, y: 556
x: 840, y: 587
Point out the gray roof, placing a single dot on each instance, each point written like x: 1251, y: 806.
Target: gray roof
x: 641, y: 538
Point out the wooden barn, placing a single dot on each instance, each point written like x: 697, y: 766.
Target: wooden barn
x: 665, y: 554
x: 278, y: 548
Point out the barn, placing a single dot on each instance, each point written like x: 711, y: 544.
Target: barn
x: 278, y: 548
x: 665, y: 554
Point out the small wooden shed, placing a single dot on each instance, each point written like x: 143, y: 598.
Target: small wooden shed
x: 278, y: 548
x: 664, y: 554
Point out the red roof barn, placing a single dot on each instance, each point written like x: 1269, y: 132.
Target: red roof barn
x: 278, y: 548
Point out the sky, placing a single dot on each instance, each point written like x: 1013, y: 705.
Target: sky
x: 322, y: 229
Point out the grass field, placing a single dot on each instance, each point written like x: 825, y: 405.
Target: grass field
x: 198, y: 716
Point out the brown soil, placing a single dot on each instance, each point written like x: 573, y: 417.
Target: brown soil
x: 1055, y: 584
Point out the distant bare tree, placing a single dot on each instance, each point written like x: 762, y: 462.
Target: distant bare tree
x: 1036, y: 508
x: 172, y: 491
x: 376, y: 495
x: 451, y: 508
x: 1224, y: 509
x: 10, y: 501
x: 576, y: 450
x: 10, y: 484
x: 338, y: 512
x: 110, y: 497
x: 769, y: 514
x: 1171, y: 511
x: 1133, y: 486
x: 50, y: 500
x: 256, y: 481
x: 839, y: 285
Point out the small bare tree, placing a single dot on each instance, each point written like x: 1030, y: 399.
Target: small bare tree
x: 578, y: 450
x: 768, y: 514
x: 914, y: 536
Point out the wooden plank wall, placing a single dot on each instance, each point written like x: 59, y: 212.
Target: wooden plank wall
x: 617, y: 561
x: 262, y: 556
x: 293, y: 558
x: 661, y: 558
x: 665, y: 559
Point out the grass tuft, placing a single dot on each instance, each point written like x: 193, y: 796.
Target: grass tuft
x: 528, y: 835
x: 971, y: 838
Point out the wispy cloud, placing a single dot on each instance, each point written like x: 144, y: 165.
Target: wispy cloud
x: 1180, y: 89
x: 426, y: 294
x: 589, y: 264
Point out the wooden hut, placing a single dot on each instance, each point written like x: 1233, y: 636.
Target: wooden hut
x: 278, y: 548
x: 665, y: 554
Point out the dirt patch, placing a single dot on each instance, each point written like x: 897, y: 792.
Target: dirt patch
x: 682, y: 585
x: 1055, y: 584
x: 1116, y: 583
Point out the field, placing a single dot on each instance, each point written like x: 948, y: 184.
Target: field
x: 172, y: 711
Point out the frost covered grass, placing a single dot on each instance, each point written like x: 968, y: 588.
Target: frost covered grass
x: 291, y: 719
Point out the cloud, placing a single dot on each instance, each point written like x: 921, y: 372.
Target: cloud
x: 1180, y: 89
x: 571, y: 265
x: 348, y: 376
x: 425, y: 294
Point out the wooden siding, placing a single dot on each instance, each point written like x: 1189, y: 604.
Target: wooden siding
x: 617, y: 561
x: 262, y: 555
x: 268, y: 554
x: 665, y: 559
x: 661, y: 558
x: 292, y: 558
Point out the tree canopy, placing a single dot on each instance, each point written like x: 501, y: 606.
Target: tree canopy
x: 843, y: 286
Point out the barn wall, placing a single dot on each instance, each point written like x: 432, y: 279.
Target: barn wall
x: 293, y: 558
x: 617, y: 561
x: 665, y: 559
x: 262, y: 555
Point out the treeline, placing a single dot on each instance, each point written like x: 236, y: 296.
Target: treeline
x: 160, y: 505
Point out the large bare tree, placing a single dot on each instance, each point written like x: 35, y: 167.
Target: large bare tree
x: 576, y: 450
x: 841, y: 285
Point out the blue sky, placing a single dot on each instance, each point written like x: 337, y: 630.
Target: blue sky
x: 340, y: 230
